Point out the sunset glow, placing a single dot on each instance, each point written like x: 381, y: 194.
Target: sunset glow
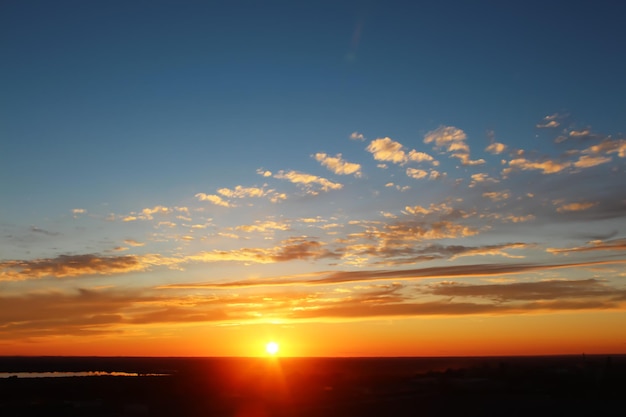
x: 344, y: 178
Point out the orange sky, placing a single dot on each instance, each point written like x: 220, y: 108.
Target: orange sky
x: 348, y: 178
x: 532, y: 334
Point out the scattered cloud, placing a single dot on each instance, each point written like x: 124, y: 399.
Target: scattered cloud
x: 496, y: 148
x: 546, y: 166
x: 357, y: 136
x: 575, y: 207
x: 452, y: 140
x: 416, y: 173
x: 214, y: 199
x: 243, y: 192
x: 386, y: 149
x: 548, y: 124
x: 550, y: 121
x: 338, y: 166
x: 308, y: 181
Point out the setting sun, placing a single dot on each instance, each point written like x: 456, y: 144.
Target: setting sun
x: 271, y: 348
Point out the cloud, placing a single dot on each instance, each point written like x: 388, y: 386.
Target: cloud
x: 586, y: 161
x: 579, y: 133
x: 79, y: 211
x: 519, y: 219
x: 214, y: 199
x: 447, y: 137
x: 497, y: 195
x: 133, y: 242
x: 69, y: 266
x: 263, y: 226
x: 338, y: 166
x: 550, y: 121
x: 593, y: 246
x: 547, y: 166
x: 43, y: 232
x: 575, y: 207
x: 535, y: 291
x: 357, y: 136
x: 84, y: 312
x: 496, y: 148
x: 416, y: 156
x: 548, y: 124
x: 386, y: 149
x: 308, y: 181
x: 289, y: 250
x: 481, y: 178
x: 263, y: 172
x: 149, y: 212
x: 452, y: 139
x: 439, y: 272
x: 441, y: 208
x: 416, y: 173
x: 243, y: 192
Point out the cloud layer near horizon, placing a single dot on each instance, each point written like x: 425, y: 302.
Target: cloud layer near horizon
x: 394, y: 231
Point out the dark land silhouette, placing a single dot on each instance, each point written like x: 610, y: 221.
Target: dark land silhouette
x: 488, y: 386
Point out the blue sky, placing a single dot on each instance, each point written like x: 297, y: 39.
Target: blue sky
x: 178, y: 143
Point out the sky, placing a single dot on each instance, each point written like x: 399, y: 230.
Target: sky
x: 347, y: 178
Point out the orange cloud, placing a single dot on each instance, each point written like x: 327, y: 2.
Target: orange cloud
x: 593, y: 246
x: 70, y: 266
x: 214, y: 199
x: 452, y: 140
x: 337, y: 165
x: 547, y: 166
x: 308, y: 181
x: 575, y: 207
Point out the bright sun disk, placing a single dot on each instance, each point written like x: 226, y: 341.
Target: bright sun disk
x: 271, y: 348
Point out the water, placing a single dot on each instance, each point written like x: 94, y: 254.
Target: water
x: 71, y: 374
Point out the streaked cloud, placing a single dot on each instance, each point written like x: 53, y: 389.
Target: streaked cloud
x: 482, y: 270
x: 593, y: 246
x: 64, y: 266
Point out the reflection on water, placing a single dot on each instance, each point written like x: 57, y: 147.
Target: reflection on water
x: 70, y: 374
